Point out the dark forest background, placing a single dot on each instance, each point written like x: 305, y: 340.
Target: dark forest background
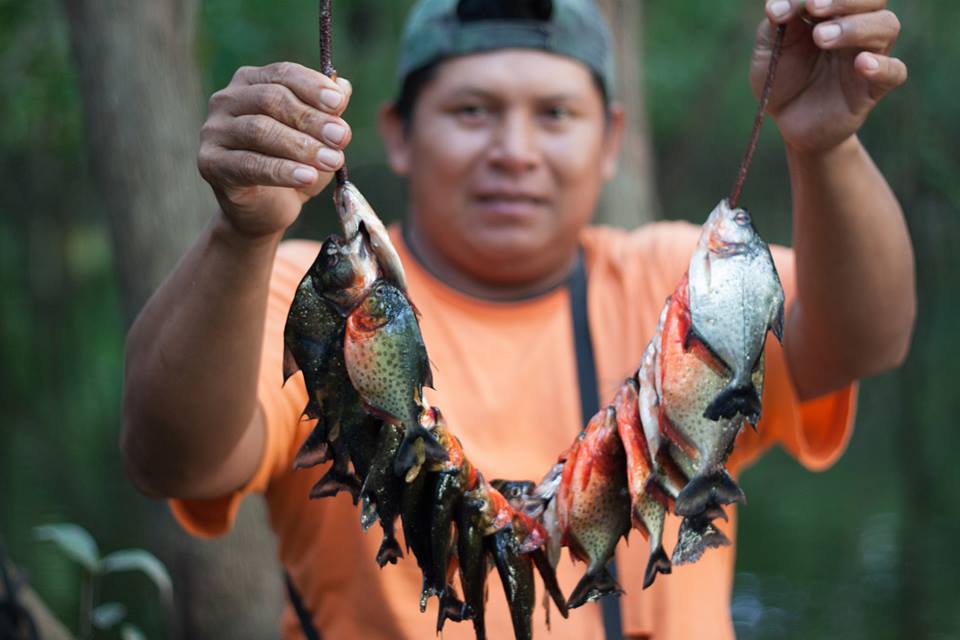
x: 100, y: 105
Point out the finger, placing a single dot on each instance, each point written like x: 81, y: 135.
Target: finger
x: 875, y: 31
x: 883, y: 73
x: 780, y: 11
x: 267, y: 136
x: 280, y: 103
x: 312, y: 87
x: 829, y: 8
x: 237, y: 168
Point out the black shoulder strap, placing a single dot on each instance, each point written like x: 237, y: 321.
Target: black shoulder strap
x: 589, y: 405
x: 306, y: 622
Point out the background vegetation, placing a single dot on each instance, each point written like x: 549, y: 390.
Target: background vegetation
x: 865, y: 550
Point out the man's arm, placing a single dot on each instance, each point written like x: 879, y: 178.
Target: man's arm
x: 192, y: 427
x: 855, y: 303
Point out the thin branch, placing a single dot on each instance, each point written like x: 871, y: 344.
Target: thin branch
x: 326, y: 59
x: 758, y: 121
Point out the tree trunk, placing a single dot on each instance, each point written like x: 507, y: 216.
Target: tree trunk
x: 142, y: 109
x: 630, y: 199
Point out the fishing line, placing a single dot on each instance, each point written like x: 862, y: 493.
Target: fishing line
x: 758, y: 121
x: 326, y: 61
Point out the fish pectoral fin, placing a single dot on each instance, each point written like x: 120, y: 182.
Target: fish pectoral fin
x: 694, y: 342
x: 592, y: 586
x: 658, y: 563
x: 776, y: 324
x: 290, y: 365
x: 741, y: 399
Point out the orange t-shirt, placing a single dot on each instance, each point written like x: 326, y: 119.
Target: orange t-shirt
x: 505, y: 377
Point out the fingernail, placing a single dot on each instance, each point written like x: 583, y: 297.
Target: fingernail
x: 329, y: 158
x: 779, y: 8
x: 331, y: 98
x: 871, y: 63
x: 345, y: 84
x: 305, y: 175
x: 334, y: 133
x: 828, y: 32
x: 820, y: 5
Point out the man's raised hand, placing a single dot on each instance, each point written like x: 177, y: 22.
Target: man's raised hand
x: 836, y: 66
x: 272, y: 140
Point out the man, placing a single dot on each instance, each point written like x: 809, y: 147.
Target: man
x: 505, y: 132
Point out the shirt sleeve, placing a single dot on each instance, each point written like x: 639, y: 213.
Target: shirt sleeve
x: 282, y: 406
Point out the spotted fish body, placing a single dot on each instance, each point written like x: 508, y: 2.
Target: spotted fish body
x: 689, y: 381
x: 648, y: 500
x: 387, y: 364
x: 313, y: 343
x: 472, y: 561
x: 735, y: 298
x: 382, y: 493
x: 594, y: 505
x: 516, y: 574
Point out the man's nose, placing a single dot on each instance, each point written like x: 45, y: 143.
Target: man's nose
x: 516, y: 145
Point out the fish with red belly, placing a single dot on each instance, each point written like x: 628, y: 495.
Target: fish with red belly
x: 593, y: 504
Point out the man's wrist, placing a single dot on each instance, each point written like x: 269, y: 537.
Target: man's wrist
x: 224, y: 234
x: 845, y: 150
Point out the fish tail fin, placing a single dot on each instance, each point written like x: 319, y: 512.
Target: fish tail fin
x: 549, y: 576
x: 314, y: 449
x: 704, y: 493
x: 695, y: 537
x: 451, y: 608
x: 389, y: 548
x: 658, y: 563
x: 592, y: 586
x: 335, y: 481
x: 736, y: 398
x: 407, y: 454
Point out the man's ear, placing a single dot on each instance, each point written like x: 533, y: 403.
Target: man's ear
x: 614, y: 134
x: 392, y: 132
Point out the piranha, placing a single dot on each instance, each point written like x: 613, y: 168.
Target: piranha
x: 382, y: 493
x: 455, y: 476
x: 534, y: 536
x: 516, y: 574
x: 735, y: 298
x: 594, y: 504
x: 648, y: 500
x: 472, y: 557
x: 313, y: 343
x: 362, y: 225
x: 387, y: 364
x: 698, y: 445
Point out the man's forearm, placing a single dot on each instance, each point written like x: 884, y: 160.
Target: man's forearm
x: 855, y: 273
x: 191, y: 370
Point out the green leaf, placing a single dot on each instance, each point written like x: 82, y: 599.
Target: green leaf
x: 74, y: 541
x: 108, y: 615
x: 131, y: 632
x: 140, y: 560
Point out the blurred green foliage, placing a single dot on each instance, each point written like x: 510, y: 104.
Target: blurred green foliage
x: 865, y: 550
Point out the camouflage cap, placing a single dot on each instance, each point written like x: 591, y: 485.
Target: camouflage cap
x: 436, y: 29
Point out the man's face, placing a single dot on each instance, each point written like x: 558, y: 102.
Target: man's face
x: 506, y: 158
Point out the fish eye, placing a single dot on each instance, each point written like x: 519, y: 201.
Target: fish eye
x: 742, y: 218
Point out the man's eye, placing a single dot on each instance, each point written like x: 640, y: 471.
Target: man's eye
x: 470, y: 112
x: 557, y: 113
